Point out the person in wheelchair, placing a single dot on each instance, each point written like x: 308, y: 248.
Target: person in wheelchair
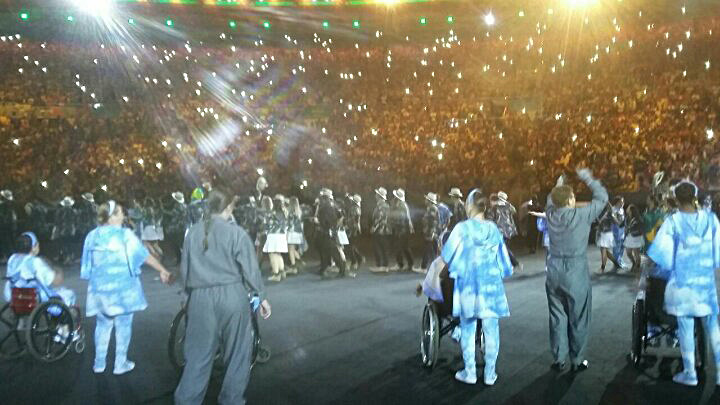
x: 477, y: 260
x: 688, y: 246
x: 25, y: 265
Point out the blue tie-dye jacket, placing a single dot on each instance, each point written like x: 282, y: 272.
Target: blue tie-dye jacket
x: 111, y: 261
x: 478, y: 260
x: 688, y: 245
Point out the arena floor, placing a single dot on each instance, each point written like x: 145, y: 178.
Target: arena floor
x: 356, y: 342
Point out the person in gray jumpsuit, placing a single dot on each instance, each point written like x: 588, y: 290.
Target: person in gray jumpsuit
x: 220, y: 268
x: 568, y: 287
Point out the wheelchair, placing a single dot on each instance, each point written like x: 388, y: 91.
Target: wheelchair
x: 48, y: 330
x: 650, y: 324
x: 437, y: 321
x: 176, y: 339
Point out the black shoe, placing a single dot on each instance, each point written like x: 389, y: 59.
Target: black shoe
x: 326, y: 275
x: 558, y: 366
x: 581, y: 367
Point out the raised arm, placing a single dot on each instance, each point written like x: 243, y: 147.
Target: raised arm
x: 599, y: 196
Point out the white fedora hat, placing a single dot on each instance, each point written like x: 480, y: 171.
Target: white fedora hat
x: 382, y: 193
x: 178, y: 196
x: 399, y: 194
x: 67, y: 202
x: 455, y: 192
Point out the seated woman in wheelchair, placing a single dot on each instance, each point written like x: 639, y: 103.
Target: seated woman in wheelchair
x: 477, y: 260
x: 688, y: 245
x: 25, y: 265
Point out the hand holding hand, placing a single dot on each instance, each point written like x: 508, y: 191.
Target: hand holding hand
x: 265, y: 309
x: 166, y: 277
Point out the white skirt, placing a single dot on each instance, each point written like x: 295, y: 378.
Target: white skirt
x: 295, y: 238
x: 634, y: 242
x: 343, y: 238
x: 276, y: 243
x: 150, y: 233
x: 605, y: 240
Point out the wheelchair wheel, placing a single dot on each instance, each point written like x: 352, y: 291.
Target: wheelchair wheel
x: 12, y: 344
x: 176, y: 342
x: 479, y: 338
x: 639, y: 330
x: 176, y: 339
x: 263, y: 354
x: 51, y: 331
x: 80, y: 343
x: 700, y: 345
x: 260, y: 352
x: 429, y: 335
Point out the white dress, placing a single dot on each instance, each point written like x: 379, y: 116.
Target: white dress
x: 605, y: 240
x: 634, y: 242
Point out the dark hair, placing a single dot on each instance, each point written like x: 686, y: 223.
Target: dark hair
x: 633, y: 211
x: 654, y: 200
x: 23, y: 244
x: 616, y: 200
x: 217, y: 201
x: 561, y: 195
x: 685, y: 193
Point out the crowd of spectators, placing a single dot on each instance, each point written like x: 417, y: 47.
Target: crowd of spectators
x: 504, y: 110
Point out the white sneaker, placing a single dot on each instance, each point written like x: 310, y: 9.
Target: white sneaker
x: 466, y: 377
x: 99, y: 370
x: 378, y: 269
x: 419, y: 270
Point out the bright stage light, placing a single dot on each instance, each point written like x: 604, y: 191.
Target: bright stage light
x: 489, y: 18
x: 100, y: 8
x: 580, y: 3
x: 24, y: 16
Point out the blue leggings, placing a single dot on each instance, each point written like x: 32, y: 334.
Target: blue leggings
x: 123, y: 333
x: 491, y: 330
x: 686, y: 335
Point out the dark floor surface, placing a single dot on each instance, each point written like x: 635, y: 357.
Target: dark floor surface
x: 357, y: 342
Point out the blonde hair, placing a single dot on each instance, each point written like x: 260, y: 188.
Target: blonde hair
x: 294, y: 207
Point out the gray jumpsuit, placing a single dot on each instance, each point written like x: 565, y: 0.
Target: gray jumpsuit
x: 218, y: 309
x: 568, y: 287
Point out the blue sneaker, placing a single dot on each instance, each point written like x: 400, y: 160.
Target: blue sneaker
x: 456, y: 334
x: 686, y: 378
x: 466, y: 377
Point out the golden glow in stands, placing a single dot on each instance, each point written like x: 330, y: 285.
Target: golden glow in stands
x: 489, y: 18
x: 581, y: 3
